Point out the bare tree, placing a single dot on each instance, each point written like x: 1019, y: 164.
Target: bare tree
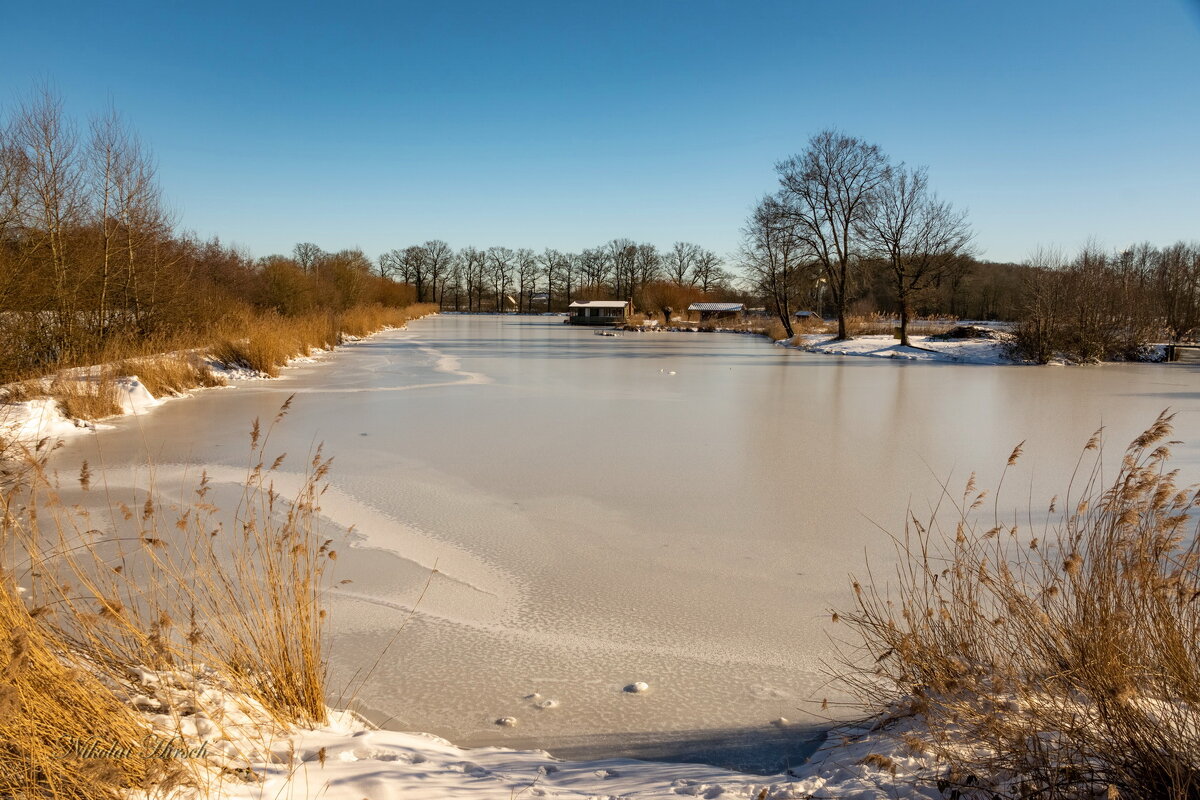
x: 828, y: 190
x: 55, y: 195
x: 622, y: 257
x: 772, y: 257
x: 551, y: 264
x: 391, y: 263
x: 105, y: 157
x: 526, y: 266
x: 707, y: 273
x: 414, y: 267
x: 474, y: 274
x: 594, y: 268
x: 438, y: 257
x: 307, y: 254
x: 500, y: 261
x: 649, y: 264
x: 569, y: 275
x: 680, y: 261
x: 919, y: 235
x: 454, y: 281
x: 1176, y: 278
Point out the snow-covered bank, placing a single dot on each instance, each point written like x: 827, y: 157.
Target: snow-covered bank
x: 348, y: 759
x: 992, y: 351
x: 32, y: 421
x: 42, y: 418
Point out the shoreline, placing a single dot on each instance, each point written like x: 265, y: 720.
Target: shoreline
x: 39, y: 421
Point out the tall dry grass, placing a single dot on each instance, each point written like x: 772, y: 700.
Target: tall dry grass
x: 171, y: 374
x: 87, y: 600
x: 877, y: 324
x: 266, y: 342
x: 260, y: 341
x: 87, y: 397
x: 1055, y: 660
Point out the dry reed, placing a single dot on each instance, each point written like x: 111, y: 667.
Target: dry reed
x: 1059, y: 660
x: 163, y: 587
x: 172, y: 374
x: 87, y: 397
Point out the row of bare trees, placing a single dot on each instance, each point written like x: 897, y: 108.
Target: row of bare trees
x: 501, y: 278
x: 91, y: 261
x: 842, y: 206
x: 82, y: 223
x: 1098, y: 306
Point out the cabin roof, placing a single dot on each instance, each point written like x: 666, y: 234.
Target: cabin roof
x: 716, y: 306
x: 597, y: 304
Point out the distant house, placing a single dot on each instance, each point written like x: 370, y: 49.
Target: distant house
x: 807, y: 316
x: 598, y: 312
x: 710, y: 311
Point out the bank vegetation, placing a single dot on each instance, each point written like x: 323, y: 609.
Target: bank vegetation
x: 95, y: 271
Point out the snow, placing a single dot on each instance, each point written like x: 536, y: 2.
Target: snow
x: 28, y: 423
x: 32, y: 421
x: 134, y: 397
x: 251, y: 757
x: 923, y: 348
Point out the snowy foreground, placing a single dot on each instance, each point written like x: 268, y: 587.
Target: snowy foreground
x: 253, y: 759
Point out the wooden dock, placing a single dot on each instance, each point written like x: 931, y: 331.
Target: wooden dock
x: 1188, y: 353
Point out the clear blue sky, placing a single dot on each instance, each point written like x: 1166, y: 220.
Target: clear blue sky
x: 564, y: 124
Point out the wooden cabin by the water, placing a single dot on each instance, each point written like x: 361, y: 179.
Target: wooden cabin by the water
x: 598, y: 312
x: 711, y: 311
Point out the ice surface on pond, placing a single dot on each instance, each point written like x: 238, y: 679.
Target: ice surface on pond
x: 594, y: 525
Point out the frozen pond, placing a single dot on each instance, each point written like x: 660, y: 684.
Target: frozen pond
x: 679, y: 509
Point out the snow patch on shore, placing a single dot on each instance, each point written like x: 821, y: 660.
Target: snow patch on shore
x: 30, y: 422
x: 923, y: 348
x: 251, y: 757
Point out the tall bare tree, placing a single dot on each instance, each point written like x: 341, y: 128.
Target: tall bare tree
x: 500, y: 263
x: 771, y: 254
x: 526, y: 272
x: 828, y: 191
x: 307, y: 254
x: 707, y: 273
x: 622, y: 257
x: 680, y: 261
x: 1176, y: 281
x: 390, y: 263
x: 54, y: 190
x: 414, y: 268
x: 919, y: 235
x: 649, y: 264
x: 551, y: 264
x: 474, y: 275
x: 438, y: 257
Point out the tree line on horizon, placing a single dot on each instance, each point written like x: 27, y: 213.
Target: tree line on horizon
x: 91, y: 260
